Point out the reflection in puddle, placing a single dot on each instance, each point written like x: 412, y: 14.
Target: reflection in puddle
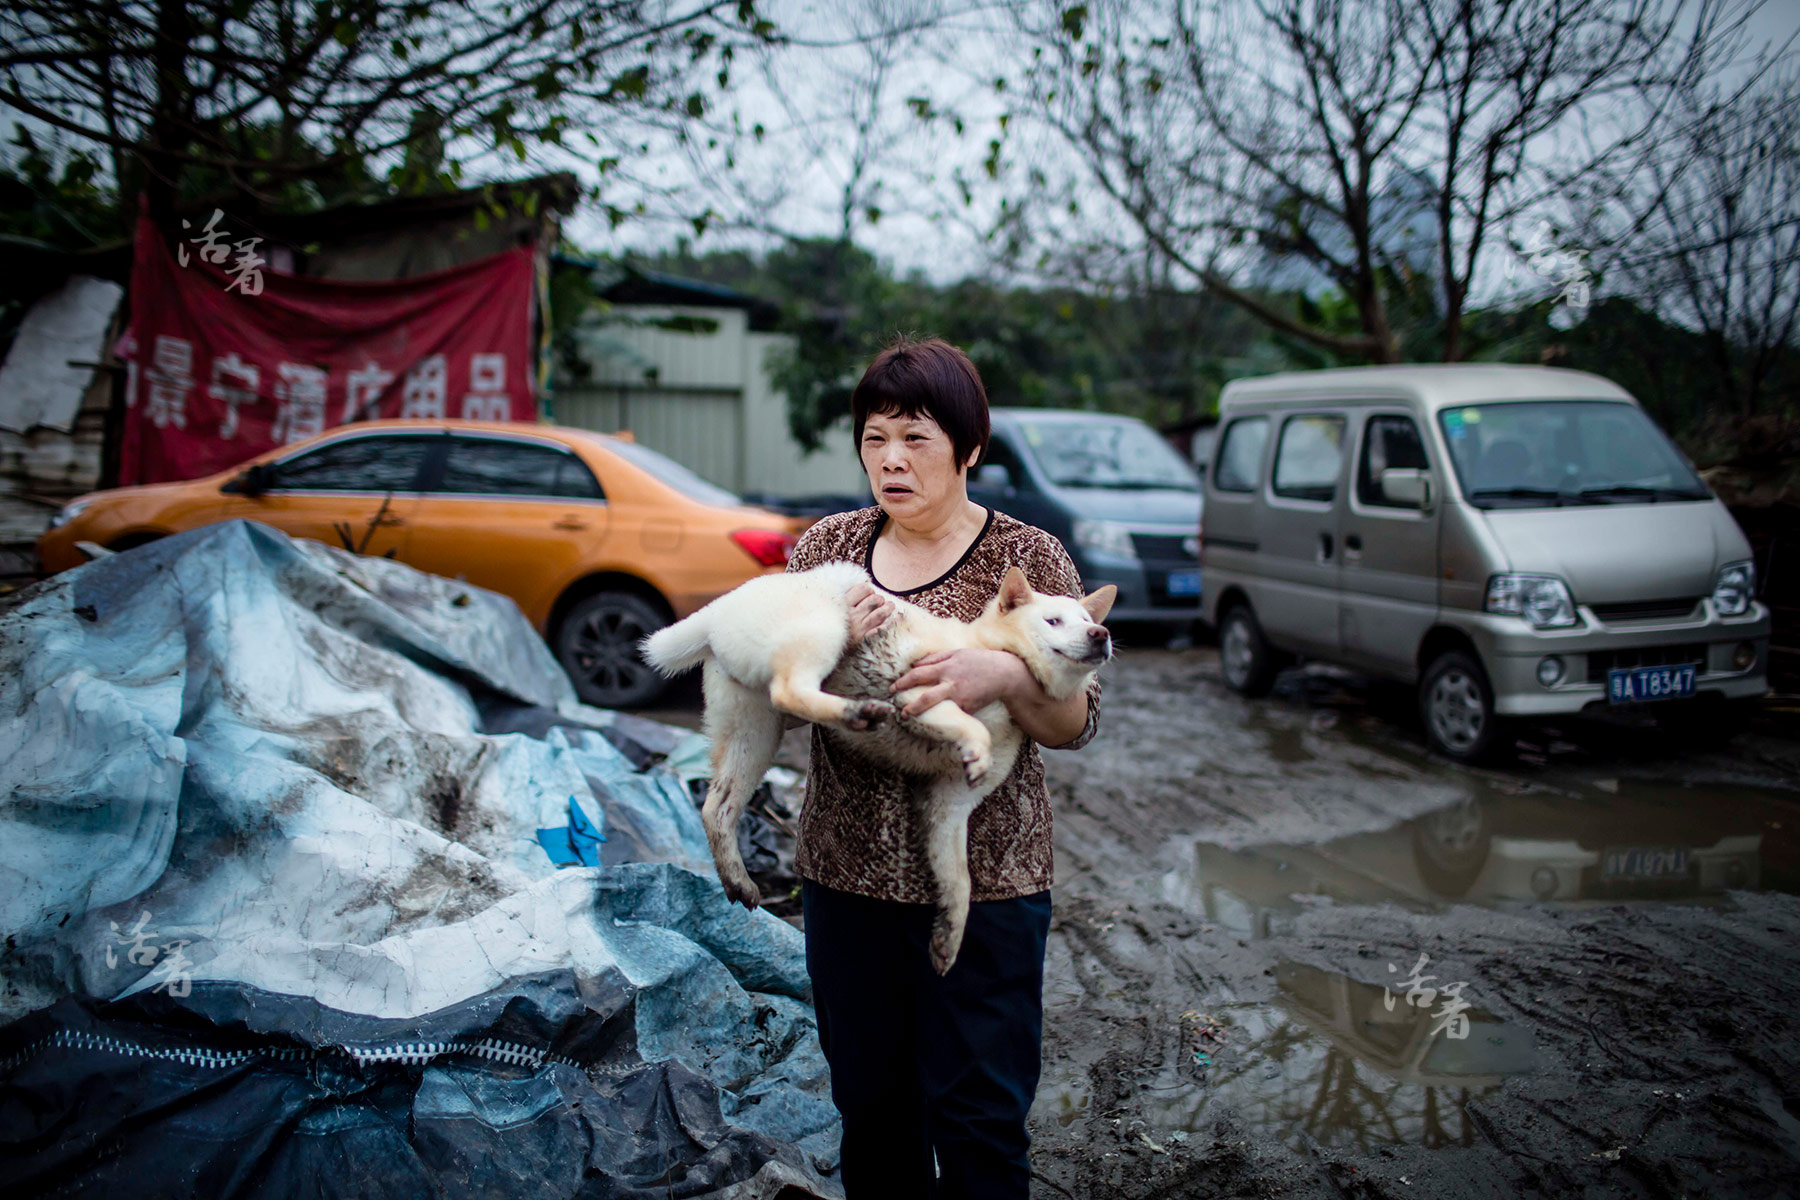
x: 1608, y: 843
x: 1327, y: 1063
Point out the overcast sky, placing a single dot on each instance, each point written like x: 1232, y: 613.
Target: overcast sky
x: 814, y: 98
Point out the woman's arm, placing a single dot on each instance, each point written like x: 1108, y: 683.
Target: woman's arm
x: 974, y: 679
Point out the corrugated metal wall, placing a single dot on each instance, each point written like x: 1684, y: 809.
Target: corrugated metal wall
x: 693, y: 383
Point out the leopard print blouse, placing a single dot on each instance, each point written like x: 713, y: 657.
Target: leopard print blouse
x: 859, y: 829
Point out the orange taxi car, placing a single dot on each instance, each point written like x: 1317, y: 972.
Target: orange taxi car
x: 599, y: 540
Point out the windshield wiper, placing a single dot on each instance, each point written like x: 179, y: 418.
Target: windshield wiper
x: 1639, y: 491
x: 1520, y: 493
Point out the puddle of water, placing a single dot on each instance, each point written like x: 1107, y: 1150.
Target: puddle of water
x: 1608, y: 840
x: 1328, y: 1063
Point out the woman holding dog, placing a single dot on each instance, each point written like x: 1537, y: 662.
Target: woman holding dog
x: 933, y: 1075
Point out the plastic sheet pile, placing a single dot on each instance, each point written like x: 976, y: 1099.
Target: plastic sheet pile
x: 279, y: 918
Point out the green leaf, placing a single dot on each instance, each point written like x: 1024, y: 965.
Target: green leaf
x: 696, y: 105
x: 1074, y: 21
x: 701, y: 222
x: 874, y: 214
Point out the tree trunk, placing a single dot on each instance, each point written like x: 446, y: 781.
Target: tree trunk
x: 170, y: 123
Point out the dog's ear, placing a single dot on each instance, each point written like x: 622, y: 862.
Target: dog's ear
x: 1015, y: 590
x: 1099, y: 603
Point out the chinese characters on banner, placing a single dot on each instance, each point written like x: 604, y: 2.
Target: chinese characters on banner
x: 218, y: 373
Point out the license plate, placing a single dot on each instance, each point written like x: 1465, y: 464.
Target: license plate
x: 1634, y: 685
x: 1644, y: 862
x: 1184, y: 583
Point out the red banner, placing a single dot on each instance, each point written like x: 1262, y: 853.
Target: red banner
x: 227, y: 359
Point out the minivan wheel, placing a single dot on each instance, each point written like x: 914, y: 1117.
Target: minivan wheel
x: 1457, y: 706
x: 1244, y: 654
x: 597, y: 644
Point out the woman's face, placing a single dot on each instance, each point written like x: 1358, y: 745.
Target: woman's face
x: 912, y: 468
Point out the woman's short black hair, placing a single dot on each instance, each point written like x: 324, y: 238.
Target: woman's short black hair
x: 929, y: 377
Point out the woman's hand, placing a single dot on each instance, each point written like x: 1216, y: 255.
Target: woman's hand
x: 870, y: 609
x: 972, y: 679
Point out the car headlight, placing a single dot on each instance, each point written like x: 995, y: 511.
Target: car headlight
x: 1734, y: 589
x: 1104, y: 537
x: 1543, y: 600
x: 68, y: 513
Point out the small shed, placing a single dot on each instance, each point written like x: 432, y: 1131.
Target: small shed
x: 61, y: 389
x: 685, y: 366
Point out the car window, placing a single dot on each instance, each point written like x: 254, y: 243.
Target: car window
x: 501, y: 467
x: 1547, y: 453
x: 1001, y: 455
x: 668, y: 471
x: 1106, y: 454
x: 360, y: 464
x: 1241, y: 455
x: 1388, y: 441
x: 1308, y: 457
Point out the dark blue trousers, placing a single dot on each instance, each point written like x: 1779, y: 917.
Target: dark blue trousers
x: 923, y: 1063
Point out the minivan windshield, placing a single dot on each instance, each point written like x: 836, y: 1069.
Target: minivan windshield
x: 1549, y: 453
x: 1106, y: 454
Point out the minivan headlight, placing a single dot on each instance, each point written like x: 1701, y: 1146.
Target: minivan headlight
x: 68, y: 513
x: 1543, y: 600
x: 1104, y: 537
x: 1734, y: 589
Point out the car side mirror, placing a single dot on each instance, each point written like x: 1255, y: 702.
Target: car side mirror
x: 993, y: 477
x: 259, y: 478
x: 1409, y: 487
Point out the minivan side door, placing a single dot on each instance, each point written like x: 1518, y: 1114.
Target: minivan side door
x: 1389, y: 577
x: 1298, y: 556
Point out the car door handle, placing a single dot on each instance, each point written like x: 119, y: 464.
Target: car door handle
x: 1352, y: 547
x: 390, y: 519
x: 571, y: 523
x: 1324, y: 547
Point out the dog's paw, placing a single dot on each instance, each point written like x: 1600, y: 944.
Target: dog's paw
x: 867, y: 714
x: 976, y: 764
x: 946, y: 943
x: 741, y: 890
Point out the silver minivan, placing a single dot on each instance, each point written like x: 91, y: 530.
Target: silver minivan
x: 1516, y: 541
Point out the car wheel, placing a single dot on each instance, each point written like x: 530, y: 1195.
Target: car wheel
x: 1244, y: 654
x: 597, y: 644
x: 1457, y: 706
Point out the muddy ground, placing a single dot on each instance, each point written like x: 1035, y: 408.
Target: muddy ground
x: 1240, y: 883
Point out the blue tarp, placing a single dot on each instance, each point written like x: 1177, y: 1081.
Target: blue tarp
x: 277, y: 918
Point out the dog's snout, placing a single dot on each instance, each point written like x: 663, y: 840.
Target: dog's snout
x: 1097, y: 633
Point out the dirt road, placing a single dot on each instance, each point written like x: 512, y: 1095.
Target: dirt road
x: 1240, y: 885
x: 1246, y: 888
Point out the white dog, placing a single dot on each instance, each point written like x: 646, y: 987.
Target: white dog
x: 778, y: 643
